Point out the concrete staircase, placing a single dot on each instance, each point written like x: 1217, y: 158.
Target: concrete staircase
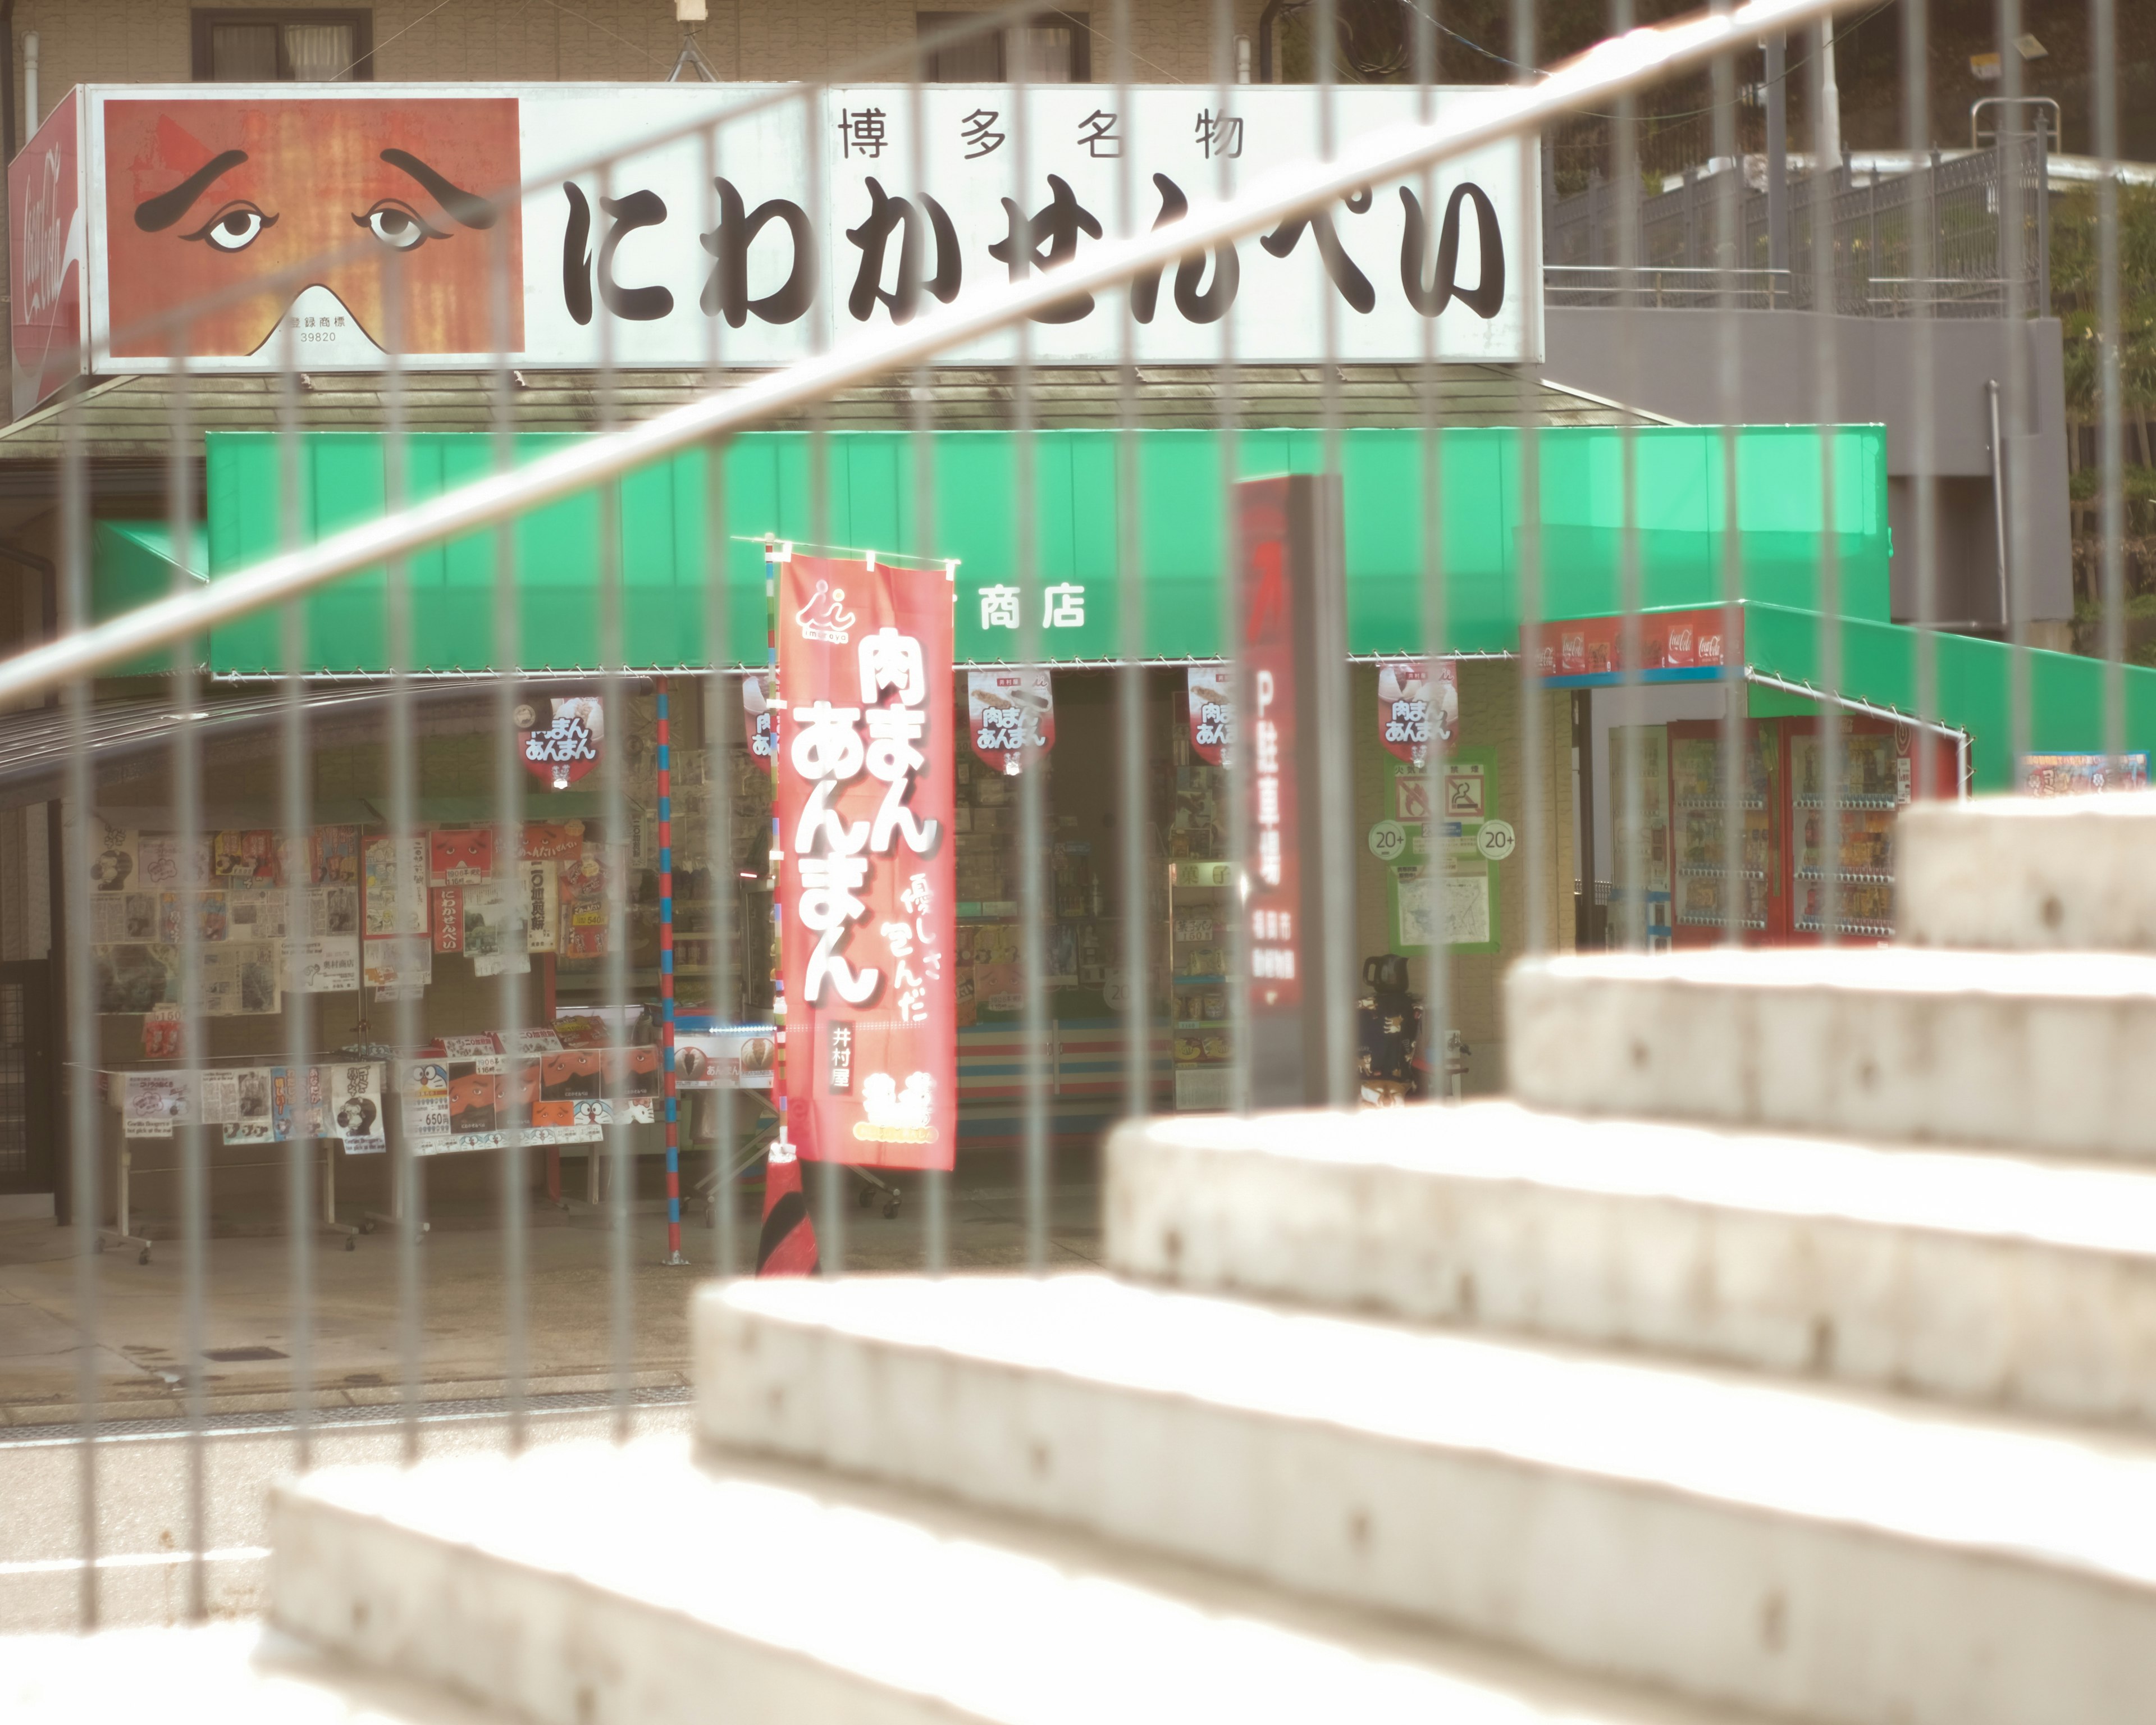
x: 1786, y: 1349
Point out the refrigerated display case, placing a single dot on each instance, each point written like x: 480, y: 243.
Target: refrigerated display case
x: 1640, y: 866
x: 1700, y: 819
x: 1849, y: 839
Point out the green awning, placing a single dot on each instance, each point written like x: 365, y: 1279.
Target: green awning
x: 1877, y: 662
x: 131, y: 563
x: 664, y: 530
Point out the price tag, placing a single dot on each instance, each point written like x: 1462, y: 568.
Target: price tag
x: 1496, y: 841
x: 1389, y: 840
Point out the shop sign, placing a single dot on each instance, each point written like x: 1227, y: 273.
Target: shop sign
x: 569, y: 747
x: 45, y: 262
x: 1274, y: 900
x: 1674, y: 647
x: 2074, y: 775
x: 1414, y: 705
x: 1211, y: 712
x: 814, y: 227
x: 866, y: 885
x: 1010, y: 716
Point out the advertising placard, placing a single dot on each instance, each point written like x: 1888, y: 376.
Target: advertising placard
x: 866, y: 886
x: 138, y: 199
x: 1212, y: 711
x: 1010, y: 717
x: 1416, y: 702
x: 1674, y: 647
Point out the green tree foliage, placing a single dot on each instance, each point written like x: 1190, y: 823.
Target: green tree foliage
x: 2075, y: 287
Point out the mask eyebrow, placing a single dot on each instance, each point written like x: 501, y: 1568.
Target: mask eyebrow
x: 471, y: 211
x: 157, y: 213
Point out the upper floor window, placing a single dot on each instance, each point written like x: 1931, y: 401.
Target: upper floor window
x: 283, y: 45
x: 1049, y: 47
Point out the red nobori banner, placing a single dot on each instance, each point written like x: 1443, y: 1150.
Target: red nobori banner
x: 866, y: 884
x: 1011, y: 717
x: 1675, y: 646
x: 1416, y: 703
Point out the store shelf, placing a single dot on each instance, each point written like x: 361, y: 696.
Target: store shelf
x: 1720, y: 922
x: 1716, y: 872
x: 1201, y: 1025
x: 1881, y: 931
x: 1717, y: 803
x: 1852, y: 802
x: 1855, y: 877
x: 1188, y: 979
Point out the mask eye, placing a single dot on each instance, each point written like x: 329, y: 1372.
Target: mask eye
x: 397, y: 227
x: 235, y: 228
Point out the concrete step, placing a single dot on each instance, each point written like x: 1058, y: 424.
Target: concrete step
x: 2043, y: 1052
x: 2063, y: 873
x: 2025, y: 1284
x: 216, y: 1674
x: 1824, y: 1556
x: 592, y: 1585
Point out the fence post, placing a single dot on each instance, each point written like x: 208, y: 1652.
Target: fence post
x: 2043, y: 216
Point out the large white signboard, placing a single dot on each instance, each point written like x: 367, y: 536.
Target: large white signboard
x: 796, y: 227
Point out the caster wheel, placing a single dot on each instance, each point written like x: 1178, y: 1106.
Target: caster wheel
x: 145, y: 1257
x: 351, y: 1242
x: 367, y: 1227
x: 890, y: 1208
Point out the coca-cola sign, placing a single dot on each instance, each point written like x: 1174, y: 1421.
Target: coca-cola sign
x: 45, y: 216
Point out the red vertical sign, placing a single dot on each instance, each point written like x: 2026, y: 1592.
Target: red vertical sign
x: 865, y: 778
x: 1275, y: 906
x: 45, y: 261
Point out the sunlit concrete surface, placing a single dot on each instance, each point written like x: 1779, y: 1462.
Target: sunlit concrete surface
x: 2020, y: 1282
x: 2029, y: 873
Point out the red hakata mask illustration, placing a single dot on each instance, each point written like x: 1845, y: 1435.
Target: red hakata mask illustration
x: 202, y: 195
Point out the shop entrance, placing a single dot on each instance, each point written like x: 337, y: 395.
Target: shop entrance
x: 27, y: 1069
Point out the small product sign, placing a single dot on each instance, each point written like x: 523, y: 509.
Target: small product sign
x: 1416, y: 703
x: 566, y: 746
x: 1211, y: 713
x: 1010, y: 715
x: 866, y: 884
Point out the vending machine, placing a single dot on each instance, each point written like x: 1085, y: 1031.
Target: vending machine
x: 1703, y: 818
x: 1849, y: 839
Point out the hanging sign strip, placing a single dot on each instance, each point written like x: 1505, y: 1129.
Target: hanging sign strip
x: 1211, y: 713
x: 865, y: 885
x: 1010, y: 715
x: 1417, y: 701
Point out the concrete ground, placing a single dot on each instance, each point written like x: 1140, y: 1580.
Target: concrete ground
x: 137, y: 1333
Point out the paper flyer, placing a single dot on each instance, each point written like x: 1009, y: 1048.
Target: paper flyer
x: 115, y: 865
x: 345, y: 1103
x: 395, y: 901
x: 116, y: 918
x: 494, y: 933
x: 395, y: 961
x: 334, y: 856
x: 541, y: 896
x: 239, y: 978
x: 152, y: 1102
x: 329, y: 965
x: 460, y: 856
x: 136, y: 978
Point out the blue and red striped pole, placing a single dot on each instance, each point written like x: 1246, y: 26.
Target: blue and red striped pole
x: 666, y: 983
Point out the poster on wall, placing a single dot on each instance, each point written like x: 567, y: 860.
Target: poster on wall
x: 158, y: 196
x: 344, y: 1103
x: 394, y: 897
x: 866, y: 886
x: 1211, y: 712
x: 1416, y: 703
x: 1010, y: 717
x: 733, y: 1057
x: 1446, y: 888
x: 152, y: 1103
x: 2082, y: 775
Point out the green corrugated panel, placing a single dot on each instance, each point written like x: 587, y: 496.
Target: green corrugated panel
x: 870, y: 491
x: 131, y: 563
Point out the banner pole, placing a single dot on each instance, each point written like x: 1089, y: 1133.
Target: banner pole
x: 666, y: 982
